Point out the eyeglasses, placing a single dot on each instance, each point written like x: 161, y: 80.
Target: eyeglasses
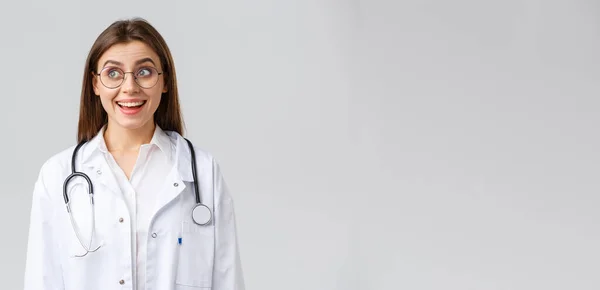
x: 112, y: 77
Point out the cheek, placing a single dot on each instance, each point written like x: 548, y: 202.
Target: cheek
x: 155, y: 97
x: 106, y: 98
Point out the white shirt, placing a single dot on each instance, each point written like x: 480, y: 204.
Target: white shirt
x: 153, y: 164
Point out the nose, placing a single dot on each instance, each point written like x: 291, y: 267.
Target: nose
x: 129, y: 85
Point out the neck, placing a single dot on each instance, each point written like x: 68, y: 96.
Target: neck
x: 122, y: 139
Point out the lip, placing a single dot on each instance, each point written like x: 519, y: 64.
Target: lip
x: 131, y: 111
x: 130, y: 100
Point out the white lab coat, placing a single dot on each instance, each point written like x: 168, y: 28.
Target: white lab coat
x: 207, y: 258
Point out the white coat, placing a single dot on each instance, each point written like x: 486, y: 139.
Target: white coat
x: 207, y: 258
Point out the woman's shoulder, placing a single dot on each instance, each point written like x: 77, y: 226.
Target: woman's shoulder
x: 205, y: 160
x: 55, y: 168
x: 182, y: 145
x: 59, y: 159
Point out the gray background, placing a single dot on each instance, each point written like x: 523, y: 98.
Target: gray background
x: 368, y: 144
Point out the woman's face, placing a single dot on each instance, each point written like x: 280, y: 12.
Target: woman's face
x: 129, y: 105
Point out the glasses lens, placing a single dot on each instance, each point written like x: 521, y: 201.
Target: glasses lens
x: 147, y: 77
x: 111, y: 77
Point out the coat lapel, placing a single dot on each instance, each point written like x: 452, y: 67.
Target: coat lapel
x: 93, y: 162
x: 172, y: 187
x: 104, y: 175
x: 181, y: 173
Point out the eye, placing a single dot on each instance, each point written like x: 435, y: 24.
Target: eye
x: 113, y: 73
x: 144, y: 72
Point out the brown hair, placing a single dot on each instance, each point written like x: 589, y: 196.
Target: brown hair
x: 91, y: 114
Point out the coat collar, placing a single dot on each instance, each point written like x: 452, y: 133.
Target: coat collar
x: 183, y: 159
x: 170, y: 143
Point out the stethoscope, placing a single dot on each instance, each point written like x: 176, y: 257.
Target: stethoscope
x: 201, y: 214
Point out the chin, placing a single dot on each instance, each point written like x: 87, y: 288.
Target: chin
x: 132, y: 124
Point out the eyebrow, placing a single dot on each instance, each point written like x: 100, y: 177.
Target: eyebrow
x: 140, y: 61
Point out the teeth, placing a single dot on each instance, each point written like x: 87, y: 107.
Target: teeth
x: 130, y: 104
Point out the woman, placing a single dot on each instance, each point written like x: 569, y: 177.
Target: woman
x: 141, y: 230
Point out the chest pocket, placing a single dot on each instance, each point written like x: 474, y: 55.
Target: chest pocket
x: 195, y: 252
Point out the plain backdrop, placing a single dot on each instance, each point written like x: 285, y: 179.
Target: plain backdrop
x: 382, y: 145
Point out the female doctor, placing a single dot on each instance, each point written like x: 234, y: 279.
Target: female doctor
x: 159, y: 215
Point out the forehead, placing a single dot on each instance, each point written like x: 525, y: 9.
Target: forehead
x: 128, y: 53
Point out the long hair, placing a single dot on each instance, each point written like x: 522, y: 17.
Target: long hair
x: 91, y: 113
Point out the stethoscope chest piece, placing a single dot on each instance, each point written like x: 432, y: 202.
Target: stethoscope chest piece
x: 201, y: 214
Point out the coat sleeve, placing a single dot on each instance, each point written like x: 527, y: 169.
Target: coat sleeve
x: 42, y: 267
x: 227, y: 270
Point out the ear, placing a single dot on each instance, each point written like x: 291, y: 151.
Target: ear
x: 165, y: 85
x: 95, y: 83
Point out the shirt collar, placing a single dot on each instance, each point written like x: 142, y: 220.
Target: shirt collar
x: 163, y: 142
x: 98, y: 145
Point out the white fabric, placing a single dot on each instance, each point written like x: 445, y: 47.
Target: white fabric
x: 207, y: 257
x: 152, y: 166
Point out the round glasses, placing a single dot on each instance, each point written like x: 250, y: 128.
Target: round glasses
x: 112, y: 77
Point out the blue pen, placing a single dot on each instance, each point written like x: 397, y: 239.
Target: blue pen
x: 179, y: 241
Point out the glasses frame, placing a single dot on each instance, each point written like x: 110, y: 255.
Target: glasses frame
x: 99, y: 75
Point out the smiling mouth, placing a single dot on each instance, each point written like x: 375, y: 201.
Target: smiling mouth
x: 131, y: 105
